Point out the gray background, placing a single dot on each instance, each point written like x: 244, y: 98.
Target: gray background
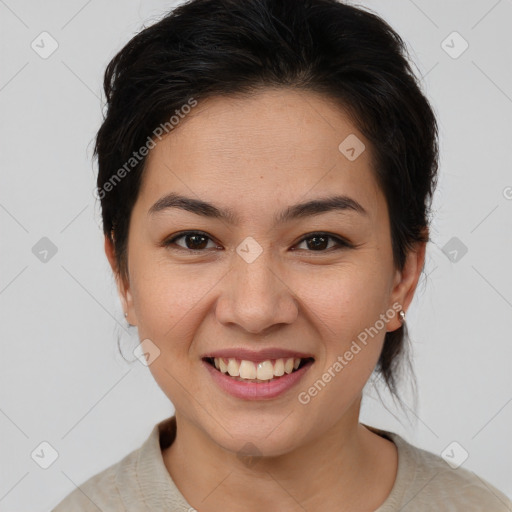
x: 62, y: 378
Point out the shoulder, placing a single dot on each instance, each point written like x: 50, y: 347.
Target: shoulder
x: 101, y: 491
x: 140, y: 481
x: 425, y: 481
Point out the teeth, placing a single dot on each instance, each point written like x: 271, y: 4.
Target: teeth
x: 233, y: 368
x: 288, y: 365
x: 265, y: 370
x: 262, y: 371
x: 279, y: 368
x: 247, y: 370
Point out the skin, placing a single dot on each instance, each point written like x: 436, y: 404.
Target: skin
x: 257, y: 155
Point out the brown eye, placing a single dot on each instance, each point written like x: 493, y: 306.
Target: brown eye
x: 198, y: 241
x: 318, y: 242
x: 194, y: 241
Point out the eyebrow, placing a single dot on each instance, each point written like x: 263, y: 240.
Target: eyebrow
x: 340, y: 203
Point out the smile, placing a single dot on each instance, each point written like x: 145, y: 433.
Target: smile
x: 256, y: 380
x: 263, y: 371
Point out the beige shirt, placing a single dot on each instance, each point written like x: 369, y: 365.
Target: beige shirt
x: 140, y: 482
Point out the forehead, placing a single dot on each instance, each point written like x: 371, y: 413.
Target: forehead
x: 273, y: 147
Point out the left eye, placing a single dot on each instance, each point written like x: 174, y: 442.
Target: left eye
x: 321, y: 239
x: 197, y: 241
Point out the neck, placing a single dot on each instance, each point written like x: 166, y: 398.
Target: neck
x: 344, y: 465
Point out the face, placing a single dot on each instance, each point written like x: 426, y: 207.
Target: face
x: 257, y: 280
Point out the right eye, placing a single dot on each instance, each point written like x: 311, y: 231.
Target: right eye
x: 195, y: 239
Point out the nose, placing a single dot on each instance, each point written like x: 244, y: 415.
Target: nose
x: 257, y: 296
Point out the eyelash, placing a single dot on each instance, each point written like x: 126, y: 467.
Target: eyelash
x: 341, y: 243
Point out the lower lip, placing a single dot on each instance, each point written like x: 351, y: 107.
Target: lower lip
x: 257, y: 390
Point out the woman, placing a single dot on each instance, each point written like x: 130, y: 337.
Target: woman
x: 265, y: 174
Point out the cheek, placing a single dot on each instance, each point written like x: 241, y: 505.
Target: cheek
x: 347, y: 299
x: 349, y: 304
x: 170, y: 305
x: 170, y: 299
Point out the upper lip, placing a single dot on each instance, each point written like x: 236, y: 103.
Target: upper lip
x: 256, y: 355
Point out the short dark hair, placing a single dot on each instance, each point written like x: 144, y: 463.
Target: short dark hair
x: 206, y: 48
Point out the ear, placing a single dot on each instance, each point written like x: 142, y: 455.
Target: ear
x: 123, y: 285
x: 406, y: 281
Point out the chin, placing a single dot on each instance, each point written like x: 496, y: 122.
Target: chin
x: 258, y: 435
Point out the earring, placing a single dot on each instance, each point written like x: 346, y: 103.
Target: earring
x: 402, y: 315
x: 125, y: 315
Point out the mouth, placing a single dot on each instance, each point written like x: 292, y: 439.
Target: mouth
x: 261, y: 372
